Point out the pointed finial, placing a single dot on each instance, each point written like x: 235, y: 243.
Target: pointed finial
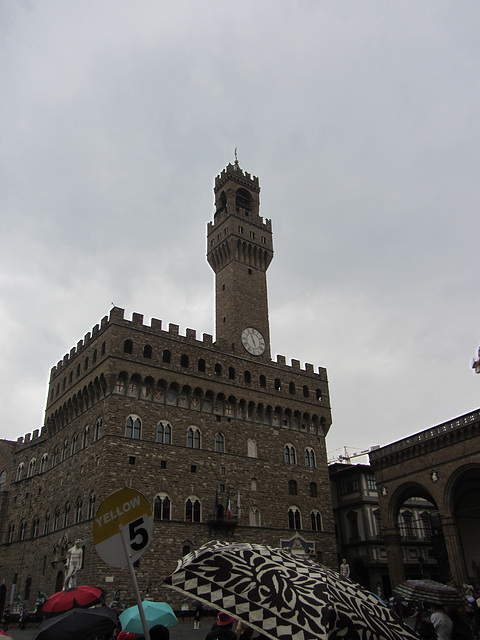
x: 236, y: 159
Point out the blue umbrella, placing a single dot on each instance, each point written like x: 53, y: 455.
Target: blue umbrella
x: 155, y: 613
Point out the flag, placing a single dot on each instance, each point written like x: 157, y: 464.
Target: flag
x: 239, y: 511
x: 229, y: 506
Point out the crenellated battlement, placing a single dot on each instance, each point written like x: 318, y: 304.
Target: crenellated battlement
x: 117, y: 316
x: 234, y: 171
x: 33, y: 437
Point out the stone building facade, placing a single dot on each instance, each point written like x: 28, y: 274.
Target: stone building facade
x: 441, y: 465
x: 359, y: 530
x: 193, y: 423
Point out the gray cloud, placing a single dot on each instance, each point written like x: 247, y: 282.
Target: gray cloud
x: 361, y: 122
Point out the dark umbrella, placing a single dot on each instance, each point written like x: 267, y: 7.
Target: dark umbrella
x: 82, y: 596
x: 429, y: 591
x: 78, y: 624
x: 283, y: 595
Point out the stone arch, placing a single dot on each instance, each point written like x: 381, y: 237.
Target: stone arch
x: 461, y: 500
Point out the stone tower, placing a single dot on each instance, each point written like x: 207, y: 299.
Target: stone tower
x: 240, y: 249
x: 223, y: 442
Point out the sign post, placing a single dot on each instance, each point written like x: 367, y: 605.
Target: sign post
x: 122, y: 531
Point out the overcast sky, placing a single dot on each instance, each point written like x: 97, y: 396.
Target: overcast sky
x: 361, y: 120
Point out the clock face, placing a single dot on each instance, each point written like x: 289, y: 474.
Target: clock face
x: 253, y: 341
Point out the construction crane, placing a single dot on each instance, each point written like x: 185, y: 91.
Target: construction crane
x: 347, y: 457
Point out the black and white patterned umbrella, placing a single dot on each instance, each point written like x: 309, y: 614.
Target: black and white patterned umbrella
x: 284, y: 596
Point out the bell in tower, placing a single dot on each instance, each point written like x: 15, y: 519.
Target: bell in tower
x: 239, y: 250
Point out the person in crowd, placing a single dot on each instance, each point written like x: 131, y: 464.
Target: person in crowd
x: 6, y: 619
x: 243, y: 631
x: 442, y: 623
x: 222, y: 629
x: 23, y: 619
x: 159, y: 632
x: 460, y: 629
x: 426, y: 630
x: 197, y: 616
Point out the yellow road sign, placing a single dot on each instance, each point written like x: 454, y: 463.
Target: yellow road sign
x: 126, y: 508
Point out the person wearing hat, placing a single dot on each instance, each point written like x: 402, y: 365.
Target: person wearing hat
x: 222, y: 629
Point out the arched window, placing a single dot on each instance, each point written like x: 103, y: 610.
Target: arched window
x: 3, y: 480
x: 306, y: 392
x: 78, y: 511
x: 218, y: 369
x: 290, y: 454
x: 278, y: 384
x: 65, y: 449
x: 20, y: 470
x: 46, y: 523
x: 91, y: 506
x: 94, y: 356
x: 23, y: 530
x: 254, y: 517
x: 316, y: 520
x: 166, y: 356
x: 313, y: 490
x: 252, y: 448
x: 247, y: 378
x: 220, y: 443
x: 310, y: 457
x: 133, y: 427
x: 85, y: 437
x: 184, y: 360
x: 11, y: 532
x: 294, y: 518
x: 164, y: 432
x: 193, y: 438
x: 66, y: 515
x: 56, y: 519
x: 98, y: 428
x: 85, y: 366
x: 318, y: 394
x: 31, y: 468
x: 161, y: 507
x: 128, y: 346
x: 192, y: 510
x: 103, y: 348
x: 263, y: 381
x: 231, y: 373
x: 73, y: 446
x: 243, y: 200
x: 43, y: 463
x: 292, y: 487
x: 291, y: 387
x: 35, y: 527
x: 253, y: 484
x: 147, y: 351
x: 201, y: 364
x: 55, y: 457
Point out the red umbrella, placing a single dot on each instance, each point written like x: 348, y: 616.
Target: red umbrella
x: 82, y: 596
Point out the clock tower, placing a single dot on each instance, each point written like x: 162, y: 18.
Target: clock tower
x: 239, y: 250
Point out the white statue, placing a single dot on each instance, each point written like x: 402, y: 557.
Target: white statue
x: 73, y: 565
x: 345, y: 568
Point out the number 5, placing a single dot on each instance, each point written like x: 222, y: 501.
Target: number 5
x: 135, y: 530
